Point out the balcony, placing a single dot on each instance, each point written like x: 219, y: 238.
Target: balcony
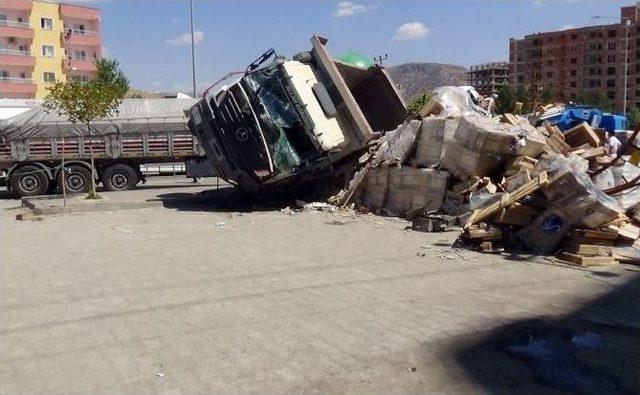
x: 78, y: 12
x: 15, y: 29
x: 17, y: 5
x: 21, y: 86
x: 82, y: 37
x: 13, y: 57
x: 79, y: 64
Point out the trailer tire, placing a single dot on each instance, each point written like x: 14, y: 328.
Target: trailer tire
x: 29, y: 180
x: 119, y: 177
x: 78, y: 179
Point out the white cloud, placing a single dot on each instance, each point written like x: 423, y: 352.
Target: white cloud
x: 411, y: 31
x: 567, y: 27
x: 348, y: 8
x: 105, y: 52
x: 175, y: 20
x: 537, y: 3
x: 185, y: 39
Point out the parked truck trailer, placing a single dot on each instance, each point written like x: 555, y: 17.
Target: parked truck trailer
x: 288, y: 121
x: 34, y: 143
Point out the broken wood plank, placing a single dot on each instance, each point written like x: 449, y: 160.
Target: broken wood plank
x: 488, y: 233
x: 587, y: 261
x: 507, y: 199
x: 625, y: 231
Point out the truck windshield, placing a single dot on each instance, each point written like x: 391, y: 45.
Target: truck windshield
x: 281, y: 125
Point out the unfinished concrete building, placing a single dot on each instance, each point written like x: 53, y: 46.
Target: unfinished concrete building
x: 487, y: 78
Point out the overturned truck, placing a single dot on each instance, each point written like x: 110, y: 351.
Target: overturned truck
x: 286, y: 122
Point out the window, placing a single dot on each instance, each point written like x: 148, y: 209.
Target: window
x: 573, y: 72
x: 80, y: 55
x: 572, y: 84
x: 611, y: 95
x: 4, y: 74
x: 611, y: 70
x: 611, y: 83
x: 612, y: 33
x: 46, y: 23
x: 549, y: 75
x: 611, y: 58
x: 47, y: 51
x: 574, y: 60
x: 574, y: 36
x: 49, y: 77
x: 612, y: 46
x: 23, y: 75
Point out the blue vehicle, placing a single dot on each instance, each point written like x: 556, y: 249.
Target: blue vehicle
x: 574, y: 115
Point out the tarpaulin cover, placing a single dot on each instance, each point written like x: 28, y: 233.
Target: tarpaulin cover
x: 134, y: 116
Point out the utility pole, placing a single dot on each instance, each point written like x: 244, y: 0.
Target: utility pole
x: 193, y: 51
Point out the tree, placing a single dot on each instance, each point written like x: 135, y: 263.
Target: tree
x: 506, y: 100
x: 83, y: 102
x: 547, y: 95
x: 595, y: 98
x: 523, y: 95
x: 416, y: 104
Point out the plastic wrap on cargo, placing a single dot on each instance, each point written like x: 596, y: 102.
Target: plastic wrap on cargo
x: 456, y: 102
x: 411, y: 188
x: 376, y: 187
x: 430, y: 141
x: 573, y: 192
x: 486, y: 135
x: 622, y: 175
x: 399, y: 143
x: 463, y: 162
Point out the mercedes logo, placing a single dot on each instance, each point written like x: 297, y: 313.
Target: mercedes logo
x: 242, y: 134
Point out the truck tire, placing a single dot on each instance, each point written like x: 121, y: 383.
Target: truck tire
x: 119, y: 177
x: 29, y: 180
x: 78, y: 179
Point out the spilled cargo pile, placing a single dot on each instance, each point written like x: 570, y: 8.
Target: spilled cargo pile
x: 509, y: 184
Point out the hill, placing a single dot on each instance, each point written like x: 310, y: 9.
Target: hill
x: 413, y: 79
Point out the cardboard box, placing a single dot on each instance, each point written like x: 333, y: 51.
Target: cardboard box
x: 463, y: 162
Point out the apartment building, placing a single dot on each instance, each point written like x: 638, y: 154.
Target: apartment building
x: 587, y: 59
x: 487, y: 78
x: 44, y: 41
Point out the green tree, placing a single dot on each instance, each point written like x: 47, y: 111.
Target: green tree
x: 547, y: 95
x: 83, y: 102
x: 420, y: 101
x: 633, y: 116
x: 523, y: 95
x: 595, y: 98
x: 506, y: 100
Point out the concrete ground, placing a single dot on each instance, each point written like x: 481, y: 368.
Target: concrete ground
x: 207, y: 296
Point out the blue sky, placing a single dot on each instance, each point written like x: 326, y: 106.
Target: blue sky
x: 147, y: 37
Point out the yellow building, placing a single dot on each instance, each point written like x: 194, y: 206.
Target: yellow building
x: 43, y: 41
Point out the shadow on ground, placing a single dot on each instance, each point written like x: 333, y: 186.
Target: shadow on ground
x: 224, y: 199
x: 593, y: 350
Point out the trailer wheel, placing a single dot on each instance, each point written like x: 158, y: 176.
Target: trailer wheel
x: 78, y: 179
x: 29, y: 181
x: 119, y: 177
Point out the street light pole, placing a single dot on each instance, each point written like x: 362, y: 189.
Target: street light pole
x: 193, y: 51
x: 626, y: 64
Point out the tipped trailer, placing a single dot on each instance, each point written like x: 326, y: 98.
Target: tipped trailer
x: 286, y: 122
x: 142, y: 131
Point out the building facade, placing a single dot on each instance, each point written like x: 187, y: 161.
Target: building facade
x: 581, y: 61
x: 42, y: 42
x: 487, y: 78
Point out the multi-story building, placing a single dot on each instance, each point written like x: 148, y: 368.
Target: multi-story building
x: 487, y: 78
x: 43, y: 41
x: 582, y: 60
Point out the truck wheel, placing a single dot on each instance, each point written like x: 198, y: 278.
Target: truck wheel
x: 78, y: 179
x: 29, y: 181
x: 119, y: 178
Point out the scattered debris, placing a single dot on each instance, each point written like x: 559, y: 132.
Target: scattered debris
x: 540, y: 184
x: 220, y: 224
